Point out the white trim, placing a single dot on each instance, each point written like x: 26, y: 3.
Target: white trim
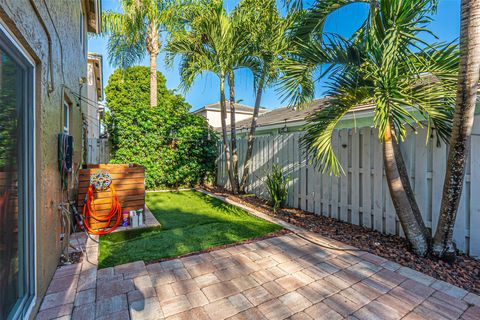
x: 66, y: 117
x: 16, y: 43
x: 34, y: 150
x: 31, y: 104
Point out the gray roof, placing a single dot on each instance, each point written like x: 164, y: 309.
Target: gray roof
x: 288, y: 115
x: 283, y: 115
x: 238, y: 107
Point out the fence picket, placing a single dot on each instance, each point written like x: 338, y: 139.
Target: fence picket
x: 344, y: 177
x: 355, y: 189
x: 335, y: 180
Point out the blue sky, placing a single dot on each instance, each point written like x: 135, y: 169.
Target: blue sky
x: 446, y: 25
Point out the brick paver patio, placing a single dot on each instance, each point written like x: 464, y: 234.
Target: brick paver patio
x: 277, y: 278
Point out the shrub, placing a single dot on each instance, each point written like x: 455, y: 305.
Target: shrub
x: 177, y: 148
x: 277, y: 187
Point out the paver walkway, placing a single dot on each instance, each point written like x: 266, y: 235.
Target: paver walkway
x: 277, y: 278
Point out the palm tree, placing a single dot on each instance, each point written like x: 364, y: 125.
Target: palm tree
x: 378, y: 67
x: 212, y: 43
x: 136, y: 31
x: 269, y: 41
x: 462, y: 127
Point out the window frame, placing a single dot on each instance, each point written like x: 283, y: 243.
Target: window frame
x: 67, y: 107
x: 10, y: 45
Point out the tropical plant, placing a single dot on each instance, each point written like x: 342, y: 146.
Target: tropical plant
x: 137, y: 30
x: 212, y: 43
x: 407, y: 82
x: 269, y: 41
x: 462, y: 127
x: 179, y: 153
x: 277, y: 186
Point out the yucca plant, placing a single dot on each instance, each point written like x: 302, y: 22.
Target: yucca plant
x: 277, y: 187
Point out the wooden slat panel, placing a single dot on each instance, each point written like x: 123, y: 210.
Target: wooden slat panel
x: 107, y: 195
x: 108, y: 200
x: 112, y: 169
x: 118, y: 183
x: 124, y: 203
x: 129, y: 183
x: 113, y: 166
x: 115, y: 176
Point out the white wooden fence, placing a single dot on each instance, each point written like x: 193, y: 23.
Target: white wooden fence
x: 361, y: 196
x: 98, y: 151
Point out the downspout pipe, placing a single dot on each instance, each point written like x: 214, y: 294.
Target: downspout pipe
x: 49, y: 39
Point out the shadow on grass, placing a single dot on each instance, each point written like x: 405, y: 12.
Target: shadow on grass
x: 191, y: 222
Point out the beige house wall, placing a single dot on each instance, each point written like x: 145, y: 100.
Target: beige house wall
x: 215, y: 120
x: 92, y: 115
x: 62, y: 21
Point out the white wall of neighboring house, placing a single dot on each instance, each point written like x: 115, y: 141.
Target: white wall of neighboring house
x: 215, y: 120
x: 94, y: 94
x: 213, y: 115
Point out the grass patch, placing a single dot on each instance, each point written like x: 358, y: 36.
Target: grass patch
x: 191, y: 221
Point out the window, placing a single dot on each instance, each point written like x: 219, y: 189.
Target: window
x: 66, y: 117
x: 17, y: 181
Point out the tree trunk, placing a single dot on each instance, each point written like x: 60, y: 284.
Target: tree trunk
x: 402, y: 195
x: 462, y: 128
x: 223, y: 115
x: 251, y: 134
x: 153, y: 80
x: 153, y: 48
x: 233, y: 132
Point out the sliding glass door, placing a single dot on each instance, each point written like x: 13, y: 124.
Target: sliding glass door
x: 17, y: 227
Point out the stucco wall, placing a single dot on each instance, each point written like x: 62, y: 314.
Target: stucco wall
x: 21, y: 20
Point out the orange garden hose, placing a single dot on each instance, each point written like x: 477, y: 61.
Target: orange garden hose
x: 90, y: 212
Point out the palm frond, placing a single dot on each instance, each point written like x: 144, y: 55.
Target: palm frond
x: 314, y: 20
x: 124, y: 53
x: 347, y: 90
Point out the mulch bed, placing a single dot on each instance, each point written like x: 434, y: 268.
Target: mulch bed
x: 464, y: 272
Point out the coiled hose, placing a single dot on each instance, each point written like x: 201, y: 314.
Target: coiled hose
x: 90, y: 212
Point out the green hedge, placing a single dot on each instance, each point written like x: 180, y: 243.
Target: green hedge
x: 177, y: 148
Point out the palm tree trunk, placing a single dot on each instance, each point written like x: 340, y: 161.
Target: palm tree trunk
x: 233, y: 133
x: 462, y: 128
x: 251, y: 134
x: 223, y: 115
x: 153, y: 80
x: 402, y: 195
x: 153, y: 48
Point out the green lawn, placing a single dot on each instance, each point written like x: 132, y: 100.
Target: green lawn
x: 191, y: 221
